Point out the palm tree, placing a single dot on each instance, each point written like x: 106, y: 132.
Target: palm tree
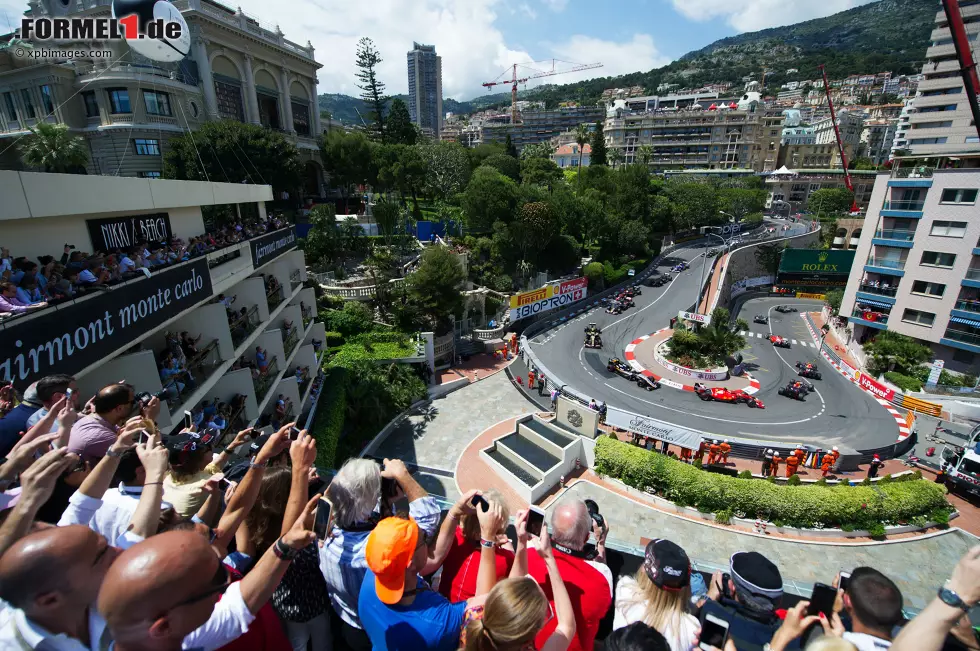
x: 53, y: 148
x: 582, y: 137
x: 645, y: 154
x: 616, y: 157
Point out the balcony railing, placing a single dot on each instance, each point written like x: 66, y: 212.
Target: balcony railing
x: 289, y: 340
x: 895, y: 234
x: 920, y: 172
x: 878, y: 289
x: 244, y: 325
x: 968, y: 305
x: 973, y: 274
x: 904, y: 204
x: 295, y: 279
x: 264, y: 382
x: 275, y: 297
x: 972, y: 338
x: 887, y: 264
x: 307, y: 316
x: 870, y: 315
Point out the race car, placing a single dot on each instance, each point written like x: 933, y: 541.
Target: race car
x: 785, y: 309
x: 721, y: 394
x: 761, y: 318
x: 679, y: 267
x: 803, y: 385
x: 636, y: 289
x: 615, y: 307
x: 781, y: 342
x: 794, y: 390
x: 592, y: 338
x: 808, y: 370
x: 621, y: 368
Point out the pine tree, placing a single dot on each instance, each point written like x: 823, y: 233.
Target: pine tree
x: 398, y: 124
x: 372, y: 90
x: 511, y: 150
x: 598, y: 156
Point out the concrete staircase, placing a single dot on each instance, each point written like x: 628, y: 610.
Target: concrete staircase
x: 534, y: 456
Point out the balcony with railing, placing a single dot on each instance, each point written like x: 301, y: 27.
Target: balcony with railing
x: 968, y: 305
x: 264, y: 379
x: 195, y: 371
x: 972, y: 278
x: 244, y: 324
x: 295, y: 279
x: 885, y: 265
x: 904, y: 208
x: 275, y: 297
x: 913, y: 172
x: 894, y: 237
x: 962, y: 336
x: 290, y: 338
x: 879, y: 289
x: 869, y: 315
x: 307, y: 313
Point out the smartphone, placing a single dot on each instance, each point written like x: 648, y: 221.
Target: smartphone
x: 294, y: 433
x: 535, y: 521
x: 845, y: 578
x: 321, y: 525
x: 389, y: 487
x: 223, y: 484
x: 714, y: 633
x: 822, y: 600
x: 725, y: 592
x: 144, y: 436
x: 188, y: 420
x: 68, y: 393
x: 479, y: 500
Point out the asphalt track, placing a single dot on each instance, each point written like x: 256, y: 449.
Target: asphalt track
x: 838, y: 413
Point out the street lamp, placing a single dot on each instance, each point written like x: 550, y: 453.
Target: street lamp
x: 704, y: 264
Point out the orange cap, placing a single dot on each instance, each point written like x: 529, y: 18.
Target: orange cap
x: 389, y: 552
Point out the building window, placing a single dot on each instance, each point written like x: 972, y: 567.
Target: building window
x: 954, y: 195
x: 229, y: 100
x: 927, y: 141
x: 91, y: 104
x: 928, y: 289
x: 268, y: 111
x: 47, y: 99
x: 936, y: 259
x: 8, y: 102
x: 918, y: 317
x: 948, y: 229
x: 25, y: 95
x: 148, y: 175
x: 146, y: 147
x: 301, y: 119
x: 119, y: 100
x: 157, y: 103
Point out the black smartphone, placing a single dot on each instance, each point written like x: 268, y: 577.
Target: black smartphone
x: 294, y: 433
x: 725, y: 592
x: 714, y: 633
x: 389, y: 487
x: 845, y: 578
x: 321, y: 525
x: 535, y: 521
x: 822, y: 600
x: 188, y: 420
x: 223, y: 483
x: 479, y: 500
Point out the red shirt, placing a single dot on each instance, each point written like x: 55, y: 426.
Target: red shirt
x: 589, y: 588
x: 266, y: 632
x: 462, y: 565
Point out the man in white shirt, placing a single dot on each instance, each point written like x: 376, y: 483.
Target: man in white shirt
x: 119, y: 503
x: 126, y: 263
x: 874, y: 603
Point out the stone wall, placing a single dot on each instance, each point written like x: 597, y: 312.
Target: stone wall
x: 742, y: 263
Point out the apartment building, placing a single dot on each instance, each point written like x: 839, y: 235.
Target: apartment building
x: 803, y: 156
x: 877, y: 138
x: 919, y: 251
x: 425, y: 89
x: 900, y: 142
x: 850, y: 124
x: 542, y: 126
x: 942, y: 121
x: 736, y: 136
x: 121, y: 333
x: 129, y: 107
x: 790, y: 189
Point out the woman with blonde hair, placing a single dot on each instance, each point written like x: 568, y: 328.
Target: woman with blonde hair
x: 517, y: 609
x: 659, y: 595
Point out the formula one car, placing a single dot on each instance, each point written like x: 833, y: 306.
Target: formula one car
x: 634, y: 290
x: 721, y: 394
x: 808, y: 370
x: 679, y: 267
x: 592, y: 338
x: 662, y: 280
x: 794, y: 390
x: 781, y: 342
x: 622, y: 369
x: 615, y: 307
x: 785, y: 309
x: 761, y: 318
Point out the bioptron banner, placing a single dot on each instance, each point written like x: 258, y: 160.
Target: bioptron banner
x: 548, y: 298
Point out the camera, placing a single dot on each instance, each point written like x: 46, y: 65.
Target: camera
x: 70, y: 246
x: 143, y: 398
x: 594, y: 513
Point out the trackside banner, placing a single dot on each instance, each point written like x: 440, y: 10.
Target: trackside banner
x: 653, y: 428
x: 548, y: 304
x: 271, y: 246
x: 870, y: 384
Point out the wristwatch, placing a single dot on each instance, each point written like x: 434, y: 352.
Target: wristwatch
x: 950, y: 598
x: 112, y: 453
x: 283, y: 551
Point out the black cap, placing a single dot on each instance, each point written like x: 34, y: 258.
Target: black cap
x: 667, y: 565
x: 756, y: 574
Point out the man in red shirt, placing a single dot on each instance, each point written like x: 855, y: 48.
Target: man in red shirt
x: 586, y: 576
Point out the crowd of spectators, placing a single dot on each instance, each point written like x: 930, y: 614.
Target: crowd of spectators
x: 113, y: 536
x: 27, y: 285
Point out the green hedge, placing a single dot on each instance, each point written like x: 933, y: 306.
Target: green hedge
x: 333, y: 339
x: 903, y: 382
x: 331, y: 410
x: 855, y: 507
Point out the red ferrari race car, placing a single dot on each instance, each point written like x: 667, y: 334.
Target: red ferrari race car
x: 721, y: 394
x: 781, y: 342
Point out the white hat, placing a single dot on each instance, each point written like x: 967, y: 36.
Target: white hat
x: 715, y: 441
x: 835, y: 448
x: 725, y: 441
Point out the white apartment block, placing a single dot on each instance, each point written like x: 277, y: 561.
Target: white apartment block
x: 850, y: 123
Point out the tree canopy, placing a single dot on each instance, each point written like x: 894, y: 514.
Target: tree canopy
x: 434, y: 287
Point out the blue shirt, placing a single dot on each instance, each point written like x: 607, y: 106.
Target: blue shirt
x: 13, y: 424
x: 430, y: 622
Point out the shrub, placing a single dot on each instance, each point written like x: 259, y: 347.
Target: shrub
x: 876, y: 530
x: 723, y: 517
x: 328, y: 423
x: 745, y: 474
x: 940, y: 517
x: 797, y: 506
x: 821, y: 482
x: 794, y: 480
x: 333, y: 339
x: 887, y: 479
x: 903, y: 382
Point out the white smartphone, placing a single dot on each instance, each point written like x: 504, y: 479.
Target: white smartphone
x: 188, y: 420
x: 535, y: 521
x: 714, y: 633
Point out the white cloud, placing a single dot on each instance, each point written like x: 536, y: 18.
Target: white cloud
x: 618, y: 57
x: 751, y: 15
x: 555, y: 5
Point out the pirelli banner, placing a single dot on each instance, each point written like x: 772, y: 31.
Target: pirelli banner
x: 548, y: 298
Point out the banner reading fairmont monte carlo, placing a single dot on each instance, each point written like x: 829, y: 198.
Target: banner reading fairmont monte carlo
x: 548, y: 298
x: 71, y: 336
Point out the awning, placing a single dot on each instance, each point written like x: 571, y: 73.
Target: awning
x: 864, y: 301
x: 975, y: 324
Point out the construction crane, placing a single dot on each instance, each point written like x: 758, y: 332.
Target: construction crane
x: 968, y: 68
x: 840, y: 143
x: 537, y: 74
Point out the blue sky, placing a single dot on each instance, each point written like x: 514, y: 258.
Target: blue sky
x: 478, y: 39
